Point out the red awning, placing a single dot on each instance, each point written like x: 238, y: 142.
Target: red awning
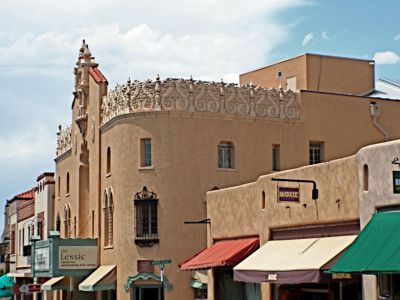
x: 222, y: 254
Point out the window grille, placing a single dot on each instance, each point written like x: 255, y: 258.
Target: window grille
x: 146, y: 227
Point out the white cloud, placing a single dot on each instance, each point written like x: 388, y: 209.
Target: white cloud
x: 23, y: 146
x: 397, y: 37
x: 324, y: 35
x: 386, y: 58
x: 307, y: 38
x: 39, y: 42
x: 142, y: 51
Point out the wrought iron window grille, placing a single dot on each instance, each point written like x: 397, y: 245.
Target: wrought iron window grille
x: 146, y: 227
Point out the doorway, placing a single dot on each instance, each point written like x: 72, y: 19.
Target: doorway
x: 148, y: 293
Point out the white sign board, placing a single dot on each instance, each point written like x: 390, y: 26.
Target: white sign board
x: 77, y: 257
x: 42, y: 259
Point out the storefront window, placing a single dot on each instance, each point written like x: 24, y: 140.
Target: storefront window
x: 227, y: 288
x: 389, y: 286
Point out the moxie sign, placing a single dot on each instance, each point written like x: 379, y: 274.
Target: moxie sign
x: 288, y: 194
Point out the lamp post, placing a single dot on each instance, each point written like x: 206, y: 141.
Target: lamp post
x: 33, y: 239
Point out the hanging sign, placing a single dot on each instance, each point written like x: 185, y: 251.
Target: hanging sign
x: 42, y: 259
x: 288, y: 194
x: 77, y: 257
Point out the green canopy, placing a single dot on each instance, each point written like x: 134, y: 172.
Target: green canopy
x: 5, y: 286
x: 376, y: 249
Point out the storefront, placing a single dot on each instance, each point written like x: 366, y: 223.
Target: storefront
x: 221, y: 257
x: 376, y: 252
x: 296, y: 267
x: 65, y: 263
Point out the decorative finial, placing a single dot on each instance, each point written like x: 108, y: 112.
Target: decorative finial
x: 83, y: 46
x: 59, y: 127
x: 191, y: 78
x: 86, y: 52
x: 158, y: 77
x: 222, y: 81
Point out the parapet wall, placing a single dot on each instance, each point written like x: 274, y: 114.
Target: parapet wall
x: 199, y: 96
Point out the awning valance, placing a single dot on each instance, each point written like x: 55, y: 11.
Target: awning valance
x: 226, y: 253
x: 376, y: 249
x: 100, y: 280
x: 56, y: 283
x: 19, y: 274
x: 291, y: 261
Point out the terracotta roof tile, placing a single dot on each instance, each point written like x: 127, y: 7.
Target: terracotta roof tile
x: 97, y: 75
x: 26, y: 195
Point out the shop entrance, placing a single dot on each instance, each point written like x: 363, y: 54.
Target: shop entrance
x: 318, y: 291
x: 228, y: 289
x: 148, y: 293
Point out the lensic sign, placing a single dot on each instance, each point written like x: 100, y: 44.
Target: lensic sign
x: 288, y: 194
x: 77, y: 257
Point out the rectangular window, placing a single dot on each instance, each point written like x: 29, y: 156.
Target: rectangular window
x: 12, y: 239
x: 146, y: 220
x: 276, y: 156
x: 146, y: 159
x: 316, y: 152
x: 225, y: 156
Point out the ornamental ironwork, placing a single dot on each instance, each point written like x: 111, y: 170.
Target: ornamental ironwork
x: 146, y: 225
x: 145, y: 195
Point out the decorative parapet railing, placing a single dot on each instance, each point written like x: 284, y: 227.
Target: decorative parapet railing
x: 199, y: 96
x: 64, y: 140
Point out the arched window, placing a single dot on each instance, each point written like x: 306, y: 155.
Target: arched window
x: 365, y: 177
x: 108, y: 218
x: 108, y: 160
x: 67, y: 221
x: 263, y: 200
x: 225, y: 155
x: 58, y: 186
x: 67, y: 187
x: 58, y: 222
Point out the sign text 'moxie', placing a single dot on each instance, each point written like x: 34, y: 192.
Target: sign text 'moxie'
x: 288, y: 194
x: 77, y: 257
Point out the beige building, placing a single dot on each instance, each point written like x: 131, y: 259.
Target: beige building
x: 137, y: 160
x: 351, y: 190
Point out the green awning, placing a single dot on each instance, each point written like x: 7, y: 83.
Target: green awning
x: 5, y: 286
x: 198, y: 285
x: 376, y: 249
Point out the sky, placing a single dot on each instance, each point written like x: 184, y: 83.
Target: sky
x: 209, y: 39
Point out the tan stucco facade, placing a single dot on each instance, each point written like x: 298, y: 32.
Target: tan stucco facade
x: 377, y: 193
x: 351, y: 188
x: 316, y: 72
x: 239, y: 211
x: 186, y: 120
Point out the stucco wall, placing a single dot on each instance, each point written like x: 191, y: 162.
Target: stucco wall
x: 318, y: 73
x: 379, y: 159
x: 238, y: 211
x: 268, y: 76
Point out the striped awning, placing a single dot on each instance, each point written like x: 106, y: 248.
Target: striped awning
x: 100, y: 280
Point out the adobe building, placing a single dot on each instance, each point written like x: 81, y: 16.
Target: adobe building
x: 137, y: 161
x: 28, y: 216
x: 299, y: 232
x: 302, y: 236
x: 21, y: 212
